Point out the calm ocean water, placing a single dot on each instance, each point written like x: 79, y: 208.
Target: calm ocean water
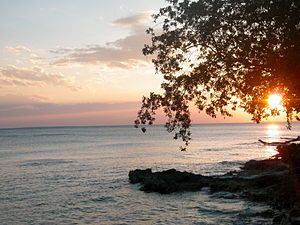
x: 79, y: 175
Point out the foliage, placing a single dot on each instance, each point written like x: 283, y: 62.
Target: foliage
x: 223, y: 54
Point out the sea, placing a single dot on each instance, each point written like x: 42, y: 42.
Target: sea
x: 79, y: 175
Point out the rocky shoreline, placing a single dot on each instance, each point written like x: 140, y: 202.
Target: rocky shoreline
x: 273, y: 181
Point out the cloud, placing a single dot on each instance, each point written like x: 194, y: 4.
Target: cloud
x: 31, y: 106
x: 25, y: 55
x: 36, y: 76
x: 13, y: 100
x: 19, y: 49
x: 134, y: 20
x: 20, y: 111
x: 125, y: 53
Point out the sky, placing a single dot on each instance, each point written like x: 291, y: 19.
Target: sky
x: 77, y: 62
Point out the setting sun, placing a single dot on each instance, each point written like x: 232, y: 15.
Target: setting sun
x: 275, y: 101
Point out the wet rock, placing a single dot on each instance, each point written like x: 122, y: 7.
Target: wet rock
x: 279, y: 218
x: 266, y: 214
x: 265, y: 165
x: 168, y: 181
x: 290, y: 154
x: 294, y: 216
x: 254, y: 175
x: 138, y: 176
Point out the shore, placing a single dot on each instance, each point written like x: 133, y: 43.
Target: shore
x: 273, y: 181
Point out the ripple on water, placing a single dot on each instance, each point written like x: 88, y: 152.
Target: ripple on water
x: 44, y: 162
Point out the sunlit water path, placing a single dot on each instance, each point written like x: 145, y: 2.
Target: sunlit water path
x: 80, y: 175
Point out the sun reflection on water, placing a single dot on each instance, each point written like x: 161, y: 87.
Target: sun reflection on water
x: 270, y: 151
x: 272, y: 134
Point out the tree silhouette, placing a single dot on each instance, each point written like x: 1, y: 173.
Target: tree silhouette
x: 223, y: 54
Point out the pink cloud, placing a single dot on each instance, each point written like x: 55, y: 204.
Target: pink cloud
x: 36, y: 76
x: 20, y: 111
x: 18, y: 49
x: 123, y: 53
x: 133, y: 20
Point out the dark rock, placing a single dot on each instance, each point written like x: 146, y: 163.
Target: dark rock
x: 138, y: 176
x: 265, y: 214
x: 279, y: 218
x: 265, y: 165
x: 290, y: 154
x: 168, y: 181
x: 294, y: 216
x: 255, y: 175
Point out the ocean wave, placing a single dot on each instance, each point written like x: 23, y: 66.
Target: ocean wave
x: 51, y: 135
x: 225, y: 195
x: 248, y: 143
x: 45, y: 162
x: 215, y: 149
x: 232, y: 163
x: 32, y: 135
x: 103, y: 199
x: 213, y: 210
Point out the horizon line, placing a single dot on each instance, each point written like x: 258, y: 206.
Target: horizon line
x: 127, y: 125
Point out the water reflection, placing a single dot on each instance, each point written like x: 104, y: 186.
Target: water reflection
x: 272, y: 134
x: 270, y: 151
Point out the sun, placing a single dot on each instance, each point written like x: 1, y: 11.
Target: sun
x: 275, y: 101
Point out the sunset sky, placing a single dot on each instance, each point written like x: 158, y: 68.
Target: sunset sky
x: 76, y: 62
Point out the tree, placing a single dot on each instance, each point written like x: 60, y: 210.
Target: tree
x: 221, y: 55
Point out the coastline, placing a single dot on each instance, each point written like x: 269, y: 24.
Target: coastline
x: 275, y: 182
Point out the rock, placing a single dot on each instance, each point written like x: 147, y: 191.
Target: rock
x: 254, y: 175
x: 266, y: 214
x: 294, y: 216
x: 168, y: 181
x: 290, y: 154
x: 265, y: 165
x: 279, y: 218
x: 138, y: 176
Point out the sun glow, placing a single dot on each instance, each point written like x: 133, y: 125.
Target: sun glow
x: 275, y: 101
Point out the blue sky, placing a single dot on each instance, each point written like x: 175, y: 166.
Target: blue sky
x: 46, y: 24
